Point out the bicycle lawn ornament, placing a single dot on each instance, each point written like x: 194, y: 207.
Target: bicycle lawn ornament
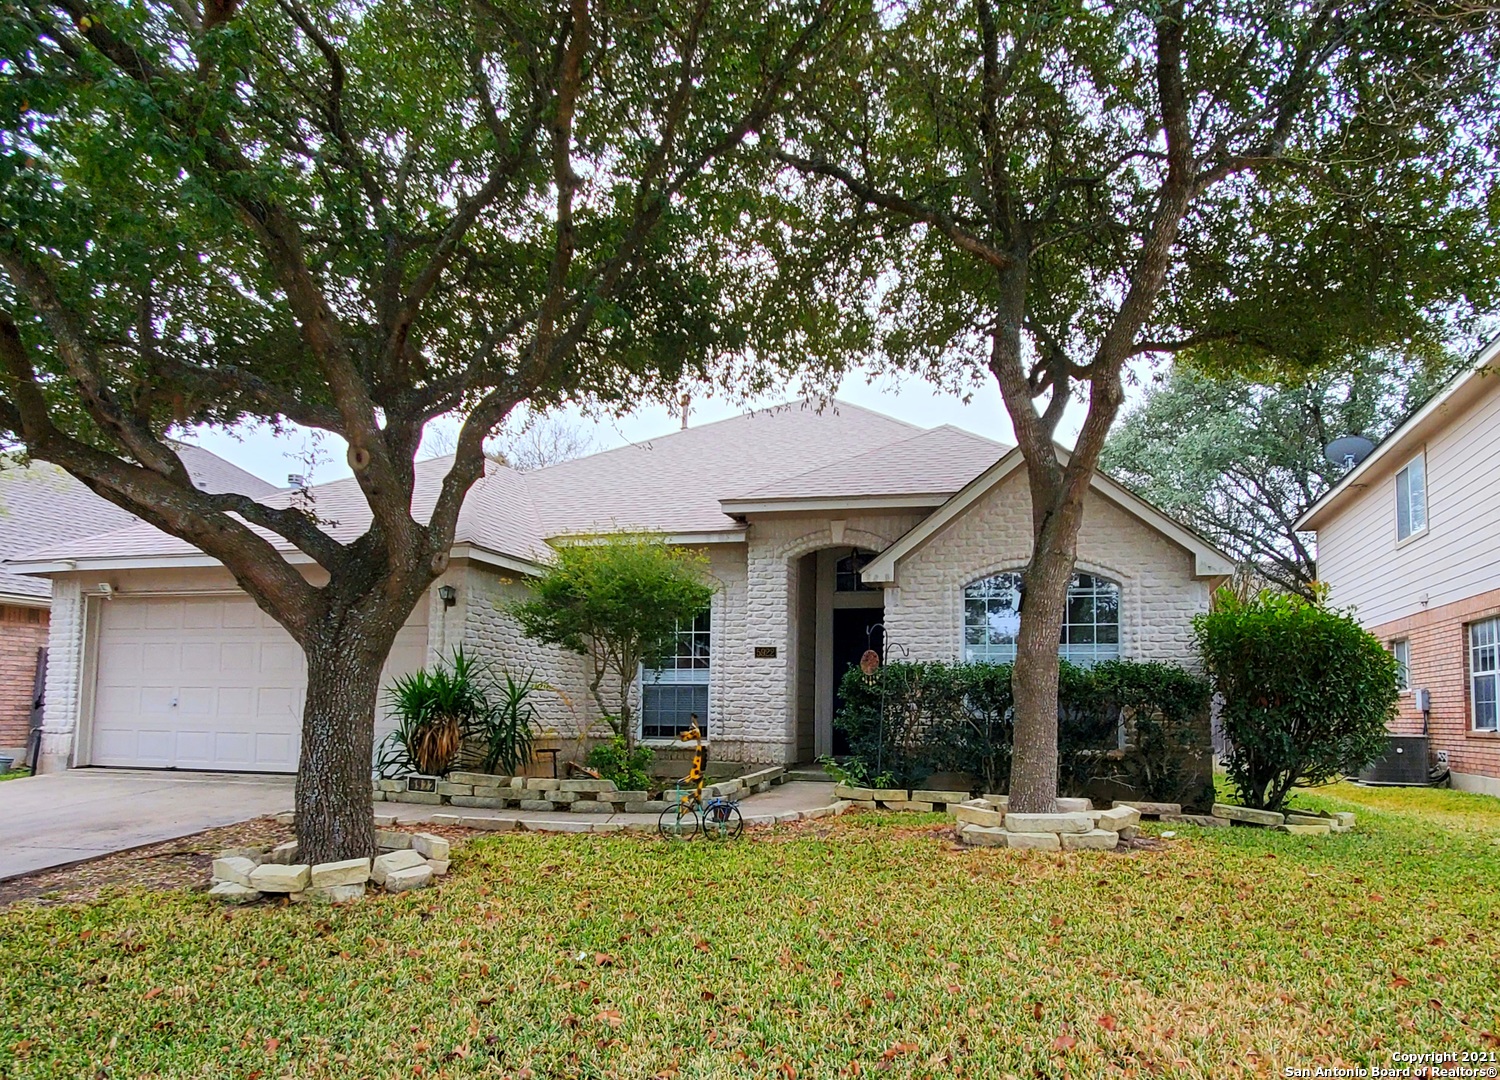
x: 717, y: 818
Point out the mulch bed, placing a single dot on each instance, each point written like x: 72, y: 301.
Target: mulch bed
x: 183, y: 863
x: 173, y: 864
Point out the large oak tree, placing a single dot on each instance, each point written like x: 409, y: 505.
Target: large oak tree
x: 357, y: 216
x: 1044, y: 191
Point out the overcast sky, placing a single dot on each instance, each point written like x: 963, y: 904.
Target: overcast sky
x: 273, y: 457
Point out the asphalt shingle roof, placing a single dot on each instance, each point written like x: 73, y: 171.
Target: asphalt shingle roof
x: 41, y: 505
x: 938, y: 461
x: 671, y: 484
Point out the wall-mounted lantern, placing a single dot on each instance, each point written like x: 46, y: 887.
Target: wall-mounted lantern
x: 448, y: 595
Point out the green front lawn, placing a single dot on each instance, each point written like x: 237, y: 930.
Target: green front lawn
x: 869, y: 945
x: 15, y: 774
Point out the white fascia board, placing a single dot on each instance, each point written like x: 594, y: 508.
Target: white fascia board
x: 1354, y: 478
x: 485, y: 556
x: 832, y: 503
x: 25, y: 600
x: 882, y: 568
x: 1208, y: 561
x: 89, y: 563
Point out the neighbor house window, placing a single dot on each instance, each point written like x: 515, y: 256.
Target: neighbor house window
x: 672, y: 693
x: 992, y: 619
x: 1484, y: 673
x: 1402, y: 651
x: 1411, y: 498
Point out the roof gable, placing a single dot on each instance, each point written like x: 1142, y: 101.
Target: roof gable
x: 1478, y: 378
x: 1208, y: 561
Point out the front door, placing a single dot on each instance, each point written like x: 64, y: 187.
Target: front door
x: 854, y: 630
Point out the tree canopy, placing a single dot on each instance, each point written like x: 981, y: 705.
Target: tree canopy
x: 357, y: 216
x: 1042, y: 192
x: 1241, y: 461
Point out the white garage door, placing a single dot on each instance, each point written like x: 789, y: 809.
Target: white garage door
x: 207, y: 682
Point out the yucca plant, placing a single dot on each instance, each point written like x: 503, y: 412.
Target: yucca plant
x: 435, y: 708
x: 507, y: 726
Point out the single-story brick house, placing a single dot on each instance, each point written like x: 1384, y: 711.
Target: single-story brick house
x: 1410, y: 538
x: 826, y: 531
x: 40, y: 504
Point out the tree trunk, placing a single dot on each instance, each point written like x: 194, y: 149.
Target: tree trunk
x: 1033, y: 778
x: 335, y: 813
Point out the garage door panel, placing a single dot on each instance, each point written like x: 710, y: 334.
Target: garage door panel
x: 161, y: 657
x: 210, y: 683
x: 163, y: 614
x: 235, y: 702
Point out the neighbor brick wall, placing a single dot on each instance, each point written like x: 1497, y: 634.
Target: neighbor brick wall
x: 23, y: 630
x: 1440, y: 663
x: 1158, y: 593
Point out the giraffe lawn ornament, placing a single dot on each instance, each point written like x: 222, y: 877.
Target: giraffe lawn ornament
x: 718, y: 818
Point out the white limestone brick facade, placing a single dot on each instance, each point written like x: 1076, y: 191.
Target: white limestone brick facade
x: 481, y: 622
x: 65, y: 680
x: 1159, y: 594
x: 756, y: 718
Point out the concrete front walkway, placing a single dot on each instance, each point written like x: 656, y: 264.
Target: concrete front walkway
x: 61, y: 818
x: 791, y: 801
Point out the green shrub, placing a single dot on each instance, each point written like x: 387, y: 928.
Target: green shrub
x: 1306, y: 692
x: 626, y: 765
x: 909, y: 720
x: 505, y: 730
x: 434, y: 709
x: 1166, y: 712
x: 456, y: 711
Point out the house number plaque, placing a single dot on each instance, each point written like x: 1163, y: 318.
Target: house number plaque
x: 765, y: 652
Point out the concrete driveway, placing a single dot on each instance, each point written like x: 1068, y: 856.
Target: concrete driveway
x: 64, y: 817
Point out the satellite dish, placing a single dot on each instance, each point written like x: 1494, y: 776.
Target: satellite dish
x: 1348, y: 451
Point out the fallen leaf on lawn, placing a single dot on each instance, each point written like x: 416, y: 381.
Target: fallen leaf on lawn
x: 1108, y: 1023
x: 271, y: 1044
x: 897, y: 1049
x: 604, y: 959
x: 153, y: 992
x: 611, y: 1017
x: 1399, y: 981
x: 1036, y: 1010
x: 1063, y: 1043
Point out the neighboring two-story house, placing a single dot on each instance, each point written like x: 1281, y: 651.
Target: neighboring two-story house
x: 1410, y: 538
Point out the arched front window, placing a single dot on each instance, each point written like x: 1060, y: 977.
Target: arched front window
x: 992, y: 619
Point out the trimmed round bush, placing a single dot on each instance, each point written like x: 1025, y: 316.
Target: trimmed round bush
x: 1306, y: 693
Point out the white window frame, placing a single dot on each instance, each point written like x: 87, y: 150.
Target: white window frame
x: 1401, y: 650
x: 679, y: 676
x: 1082, y: 653
x: 1414, y: 507
x: 1483, y: 640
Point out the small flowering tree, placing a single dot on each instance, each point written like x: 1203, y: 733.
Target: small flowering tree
x: 619, y: 601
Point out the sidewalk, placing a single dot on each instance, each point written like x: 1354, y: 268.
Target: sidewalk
x: 792, y: 801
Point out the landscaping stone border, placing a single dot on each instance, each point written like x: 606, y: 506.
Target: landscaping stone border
x: 545, y: 794
x: 1077, y: 826
x: 405, y: 861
